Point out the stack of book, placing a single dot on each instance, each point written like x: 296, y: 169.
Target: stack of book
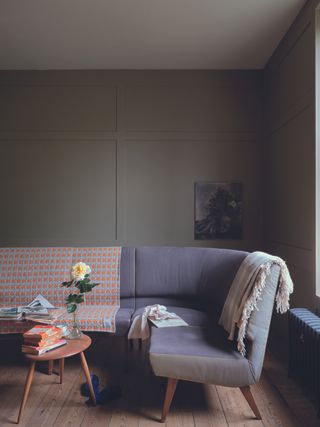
x: 41, y: 339
x: 10, y: 313
x: 40, y: 310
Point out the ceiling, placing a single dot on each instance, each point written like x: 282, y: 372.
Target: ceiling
x: 142, y: 34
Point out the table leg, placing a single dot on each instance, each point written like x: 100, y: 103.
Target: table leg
x: 50, y: 367
x: 88, y: 378
x: 26, y: 389
x: 61, y: 369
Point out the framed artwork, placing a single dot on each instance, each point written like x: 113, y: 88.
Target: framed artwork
x: 218, y: 210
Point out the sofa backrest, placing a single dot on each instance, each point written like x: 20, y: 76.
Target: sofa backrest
x: 127, y: 278
x: 148, y: 275
x: 26, y: 272
x: 203, y: 275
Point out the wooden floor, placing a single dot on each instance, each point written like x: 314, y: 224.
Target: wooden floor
x: 282, y: 402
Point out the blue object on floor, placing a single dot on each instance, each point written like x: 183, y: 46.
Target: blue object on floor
x: 95, y: 384
x: 106, y: 395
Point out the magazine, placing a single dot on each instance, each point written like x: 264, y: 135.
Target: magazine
x: 10, y: 313
x: 40, y: 309
x: 34, y: 311
x: 40, y: 301
x: 168, y: 323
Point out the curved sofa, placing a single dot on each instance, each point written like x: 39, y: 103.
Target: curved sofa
x: 194, y: 283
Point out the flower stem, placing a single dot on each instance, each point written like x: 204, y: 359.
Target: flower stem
x: 74, y: 316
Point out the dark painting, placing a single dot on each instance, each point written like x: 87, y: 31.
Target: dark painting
x: 218, y: 210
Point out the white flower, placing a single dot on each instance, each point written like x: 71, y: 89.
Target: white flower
x: 79, y: 270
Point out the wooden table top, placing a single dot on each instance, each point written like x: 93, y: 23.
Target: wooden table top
x: 70, y: 349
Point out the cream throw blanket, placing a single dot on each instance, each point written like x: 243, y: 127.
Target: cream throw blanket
x: 246, y: 290
x: 140, y: 327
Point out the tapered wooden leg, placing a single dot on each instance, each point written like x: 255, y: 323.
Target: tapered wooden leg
x: 171, y: 388
x: 61, y: 369
x: 140, y: 343
x: 50, y: 367
x: 131, y: 344
x: 249, y: 398
x: 88, y: 378
x: 26, y: 389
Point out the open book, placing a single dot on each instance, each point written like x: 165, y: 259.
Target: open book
x: 40, y: 301
x: 39, y: 309
x: 10, y: 313
x: 168, y: 323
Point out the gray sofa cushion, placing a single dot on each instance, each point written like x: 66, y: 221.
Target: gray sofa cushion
x: 169, y: 301
x: 191, y: 316
x: 123, y: 318
x: 204, y: 274
x: 127, y: 278
x: 198, y: 354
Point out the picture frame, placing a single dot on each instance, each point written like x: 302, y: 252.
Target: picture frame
x: 218, y: 210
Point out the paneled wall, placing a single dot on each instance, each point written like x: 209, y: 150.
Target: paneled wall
x: 111, y: 157
x: 289, y: 162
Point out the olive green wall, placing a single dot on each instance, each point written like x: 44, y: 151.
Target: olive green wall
x: 111, y: 157
x: 289, y: 161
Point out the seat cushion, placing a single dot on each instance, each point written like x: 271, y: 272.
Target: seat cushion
x: 123, y: 318
x: 190, y: 315
x: 198, y: 354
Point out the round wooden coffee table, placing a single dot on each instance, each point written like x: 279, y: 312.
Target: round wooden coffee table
x: 73, y: 347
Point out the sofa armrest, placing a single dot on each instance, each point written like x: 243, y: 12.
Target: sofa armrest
x: 259, y: 324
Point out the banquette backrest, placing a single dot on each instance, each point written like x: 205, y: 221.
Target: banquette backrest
x: 184, y: 276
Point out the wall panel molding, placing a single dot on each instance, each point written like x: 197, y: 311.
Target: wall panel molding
x: 156, y: 188
x: 61, y: 191
x: 191, y: 109
x: 113, y: 120
x: 57, y: 108
x: 291, y: 115
x: 289, y: 172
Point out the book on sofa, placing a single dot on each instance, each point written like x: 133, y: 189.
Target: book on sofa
x: 168, y: 323
x: 40, y: 309
x: 17, y: 313
x: 10, y: 313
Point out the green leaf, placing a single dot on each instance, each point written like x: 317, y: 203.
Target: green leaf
x: 68, y: 284
x: 71, y: 298
x: 79, y: 299
x: 87, y: 287
x: 71, y: 308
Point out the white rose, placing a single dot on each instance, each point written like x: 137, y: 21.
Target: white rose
x: 79, y: 270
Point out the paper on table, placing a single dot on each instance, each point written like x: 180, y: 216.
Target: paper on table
x: 40, y: 300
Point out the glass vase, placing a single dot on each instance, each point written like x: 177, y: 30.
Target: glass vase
x: 74, y: 328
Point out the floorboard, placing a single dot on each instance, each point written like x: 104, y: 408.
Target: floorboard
x: 281, y: 401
